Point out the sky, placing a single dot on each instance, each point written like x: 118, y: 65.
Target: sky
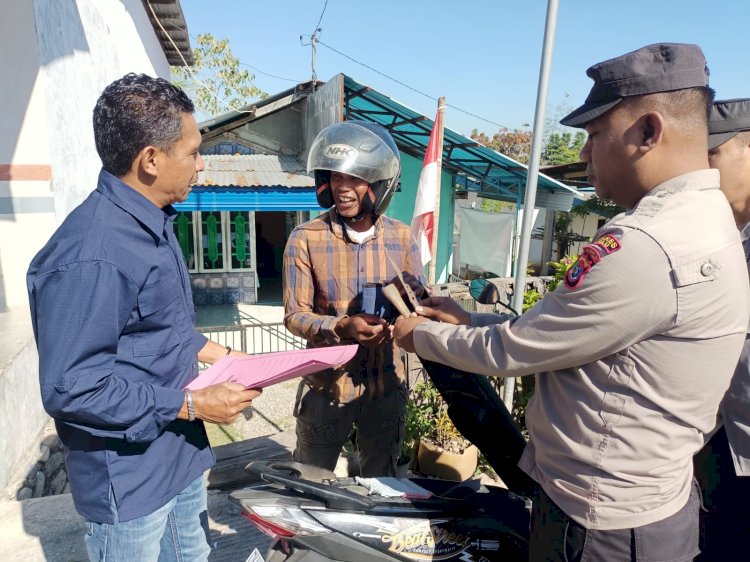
x: 483, y: 56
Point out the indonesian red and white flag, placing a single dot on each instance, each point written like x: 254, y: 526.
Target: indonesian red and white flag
x: 422, y: 222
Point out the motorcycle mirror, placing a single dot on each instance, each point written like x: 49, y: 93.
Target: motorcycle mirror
x: 483, y: 291
x: 486, y: 292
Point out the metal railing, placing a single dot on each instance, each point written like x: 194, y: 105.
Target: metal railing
x: 255, y: 338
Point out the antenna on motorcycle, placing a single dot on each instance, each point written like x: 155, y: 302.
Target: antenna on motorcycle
x: 485, y: 292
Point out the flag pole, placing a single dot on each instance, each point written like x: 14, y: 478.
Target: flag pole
x: 436, y: 212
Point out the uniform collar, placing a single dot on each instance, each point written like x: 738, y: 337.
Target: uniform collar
x: 129, y: 200
x: 698, y: 180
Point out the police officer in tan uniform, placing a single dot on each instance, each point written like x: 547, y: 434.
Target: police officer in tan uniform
x: 723, y: 466
x: 634, y: 351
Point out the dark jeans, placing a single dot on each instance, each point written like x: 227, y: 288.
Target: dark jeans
x: 725, y: 521
x: 557, y: 538
x: 324, y: 426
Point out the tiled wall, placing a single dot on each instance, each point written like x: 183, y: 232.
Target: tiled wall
x: 223, y: 288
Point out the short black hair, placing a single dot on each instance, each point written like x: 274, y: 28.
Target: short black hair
x: 134, y: 112
x: 690, y: 107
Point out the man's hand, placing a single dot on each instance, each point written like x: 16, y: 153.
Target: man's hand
x: 403, y: 331
x: 443, y: 309
x: 367, y: 329
x: 212, y: 352
x: 222, y: 403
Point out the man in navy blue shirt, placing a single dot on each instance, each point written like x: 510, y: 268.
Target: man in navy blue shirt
x: 113, y: 319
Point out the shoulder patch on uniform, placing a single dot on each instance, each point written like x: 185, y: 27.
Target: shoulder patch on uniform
x: 589, y: 257
x: 608, y: 243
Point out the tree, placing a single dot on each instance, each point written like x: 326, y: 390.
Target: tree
x: 515, y: 143
x: 560, y: 147
x: 563, y: 148
x: 215, y: 83
x: 494, y: 206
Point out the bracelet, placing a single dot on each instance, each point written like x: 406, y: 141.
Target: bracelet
x: 229, y: 349
x: 190, y: 405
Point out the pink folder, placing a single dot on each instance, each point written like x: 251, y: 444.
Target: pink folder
x: 259, y: 371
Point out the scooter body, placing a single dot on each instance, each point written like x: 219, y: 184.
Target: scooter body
x: 315, y: 516
x: 334, y: 519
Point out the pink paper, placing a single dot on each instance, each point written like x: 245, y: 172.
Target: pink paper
x: 259, y: 371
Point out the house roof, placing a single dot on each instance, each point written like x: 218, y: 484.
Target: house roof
x: 483, y: 168
x: 225, y: 125
x: 476, y: 167
x: 169, y: 16
x: 254, y: 170
x: 573, y: 174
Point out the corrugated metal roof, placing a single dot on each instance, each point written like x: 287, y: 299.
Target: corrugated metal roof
x: 254, y: 170
x: 490, y: 170
x: 167, y: 14
x: 474, y: 164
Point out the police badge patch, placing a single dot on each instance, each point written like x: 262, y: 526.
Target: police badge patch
x: 589, y: 257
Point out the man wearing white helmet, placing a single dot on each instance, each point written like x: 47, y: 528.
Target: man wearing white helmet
x: 329, y: 263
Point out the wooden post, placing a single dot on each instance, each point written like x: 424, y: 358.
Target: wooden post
x: 436, y: 215
x: 547, y: 241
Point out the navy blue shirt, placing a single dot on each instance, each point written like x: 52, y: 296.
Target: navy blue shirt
x: 114, y: 320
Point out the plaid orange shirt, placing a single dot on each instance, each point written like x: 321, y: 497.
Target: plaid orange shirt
x: 324, y: 273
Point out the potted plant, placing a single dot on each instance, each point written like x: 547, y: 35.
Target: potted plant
x: 441, y: 450
x: 410, y: 444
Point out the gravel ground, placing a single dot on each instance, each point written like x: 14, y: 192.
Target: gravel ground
x: 271, y: 412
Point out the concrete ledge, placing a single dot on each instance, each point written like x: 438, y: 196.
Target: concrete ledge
x: 50, y: 529
x: 22, y: 416
x: 42, y: 529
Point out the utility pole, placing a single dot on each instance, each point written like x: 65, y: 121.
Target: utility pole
x: 519, y: 282
x: 313, y: 43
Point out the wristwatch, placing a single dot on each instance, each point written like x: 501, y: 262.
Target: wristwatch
x: 190, y: 405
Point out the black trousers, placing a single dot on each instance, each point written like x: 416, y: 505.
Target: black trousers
x: 557, y: 538
x: 725, y: 521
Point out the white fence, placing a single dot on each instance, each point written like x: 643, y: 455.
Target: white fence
x: 255, y: 338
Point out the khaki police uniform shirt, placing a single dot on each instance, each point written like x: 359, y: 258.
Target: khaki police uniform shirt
x: 735, y: 408
x: 632, y: 363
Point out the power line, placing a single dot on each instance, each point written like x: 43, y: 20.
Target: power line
x: 320, y: 19
x: 258, y: 70
x: 411, y: 88
x: 271, y: 75
x: 317, y: 40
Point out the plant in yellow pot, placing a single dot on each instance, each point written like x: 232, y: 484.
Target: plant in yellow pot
x: 442, y: 451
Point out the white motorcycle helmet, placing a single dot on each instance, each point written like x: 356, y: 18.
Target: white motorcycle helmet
x: 358, y: 148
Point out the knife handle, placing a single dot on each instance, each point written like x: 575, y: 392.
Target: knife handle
x: 392, y: 294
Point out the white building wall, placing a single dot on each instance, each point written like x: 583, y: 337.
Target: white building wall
x: 55, y: 59
x: 585, y: 226
x: 60, y: 55
x: 83, y: 46
x: 23, y: 142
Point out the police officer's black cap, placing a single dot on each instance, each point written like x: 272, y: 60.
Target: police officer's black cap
x: 662, y: 67
x: 728, y: 117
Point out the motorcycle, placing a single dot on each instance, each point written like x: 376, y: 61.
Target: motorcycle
x: 313, y: 516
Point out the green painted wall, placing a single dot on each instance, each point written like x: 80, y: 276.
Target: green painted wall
x: 402, y: 208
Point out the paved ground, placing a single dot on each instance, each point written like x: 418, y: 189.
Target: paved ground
x: 272, y: 412
x: 49, y: 529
